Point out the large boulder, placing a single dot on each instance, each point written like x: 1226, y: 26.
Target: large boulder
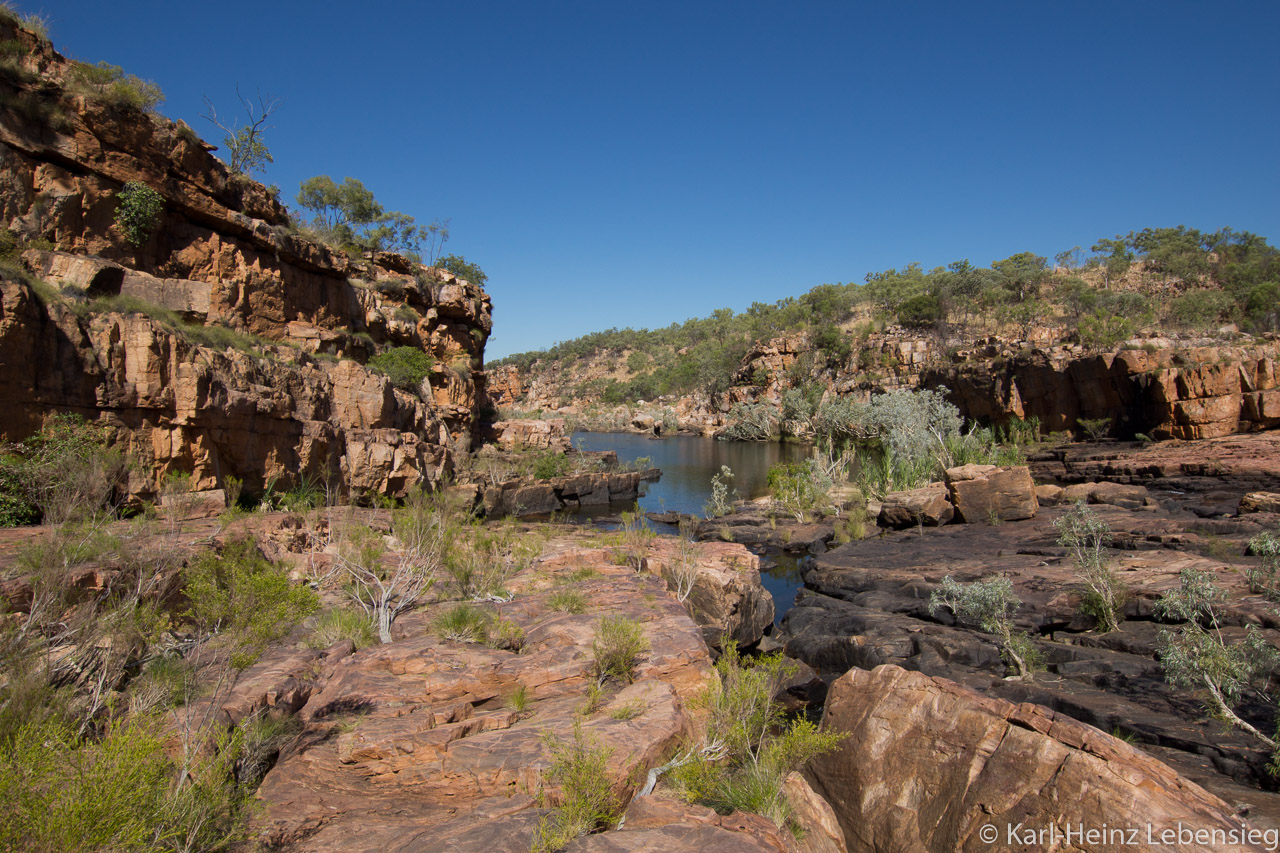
x: 988, y: 493
x: 721, y: 585
x: 930, y: 765
x: 928, y: 505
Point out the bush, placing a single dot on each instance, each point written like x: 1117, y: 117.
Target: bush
x: 989, y: 606
x: 110, y: 85
x: 796, y: 488
x: 65, y: 472
x: 463, y: 623
x: 1262, y: 578
x: 920, y: 312
x: 567, y: 601
x: 1087, y: 535
x: 139, y: 212
x: 336, y: 624
x: 1201, y: 309
x: 617, y: 647
x: 586, y: 802
x: 406, y: 367
x: 463, y: 269
x: 722, y: 496
x: 550, y: 464
x: 751, y: 422
x: 749, y: 747
x: 245, y: 597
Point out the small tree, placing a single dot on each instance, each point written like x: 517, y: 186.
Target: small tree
x: 1087, y: 535
x: 1196, y: 656
x: 139, y: 212
x: 244, y: 142
x: 722, y: 494
x: 462, y: 268
x: 385, y: 590
x: 989, y: 606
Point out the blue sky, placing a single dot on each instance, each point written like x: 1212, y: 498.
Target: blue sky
x: 636, y: 164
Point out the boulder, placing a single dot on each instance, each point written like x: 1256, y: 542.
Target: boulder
x: 1260, y: 502
x: 1116, y: 494
x: 725, y: 595
x: 928, y: 505
x: 930, y: 765
x: 985, y: 493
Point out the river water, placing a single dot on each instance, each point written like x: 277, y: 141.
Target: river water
x: 688, y: 463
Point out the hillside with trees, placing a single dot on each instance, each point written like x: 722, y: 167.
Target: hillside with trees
x: 1180, y: 280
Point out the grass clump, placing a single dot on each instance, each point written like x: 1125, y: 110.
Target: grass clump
x: 336, y: 624
x: 585, y: 801
x: 463, y: 623
x: 567, y: 601
x: 617, y: 647
x: 111, y: 85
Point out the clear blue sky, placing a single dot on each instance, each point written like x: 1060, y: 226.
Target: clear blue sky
x: 616, y: 163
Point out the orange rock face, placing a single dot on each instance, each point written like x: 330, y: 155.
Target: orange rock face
x: 247, y: 399
x: 930, y: 765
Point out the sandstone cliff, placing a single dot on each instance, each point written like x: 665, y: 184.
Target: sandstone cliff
x: 238, y: 347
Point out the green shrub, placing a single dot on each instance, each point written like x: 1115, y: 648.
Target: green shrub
x: 1103, y: 329
x: 586, y: 802
x: 796, y: 488
x: 1093, y: 429
x: 722, y: 496
x: 1086, y: 534
x: 920, y: 312
x: 110, y: 85
x: 463, y: 269
x: 750, y: 747
x: 550, y: 464
x: 1262, y: 578
x: 617, y: 647
x: 637, y: 535
x: 567, y: 601
x: 406, y: 367
x: 139, y: 212
x: 1200, y: 309
x: 989, y: 605
x: 245, y: 597
x: 66, y: 471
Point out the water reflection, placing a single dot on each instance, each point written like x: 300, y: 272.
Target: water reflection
x: 688, y: 463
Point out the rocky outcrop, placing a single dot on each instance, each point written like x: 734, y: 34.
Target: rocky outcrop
x: 721, y: 586
x: 991, y: 493
x: 523, y: 496
x: 930, y: 765
x: 219, y: 381
x: 420, y: 745
x: 867, y: 604
x: 528, y: 434
x: 929, y: 506
x: 180, y: 405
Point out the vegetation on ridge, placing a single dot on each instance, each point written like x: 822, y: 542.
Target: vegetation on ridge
x: 1217, y: 277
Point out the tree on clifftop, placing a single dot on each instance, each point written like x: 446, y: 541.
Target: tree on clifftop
x: 348, y: 216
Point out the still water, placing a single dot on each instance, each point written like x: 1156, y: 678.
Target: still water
x: 688, y: 463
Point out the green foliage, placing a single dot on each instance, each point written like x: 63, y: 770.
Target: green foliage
x: 550, y: 464
x: 1103, y: 330
x: 336, y: 624
x: 463, y: 623
x: 1087, y: 535
x: 480, y: 558
x: 1200, y: 309
x: 139, y: 212
x: 463, y: 269
x: 69, y: 793
x: 1196, y: 656
x: 796, y: 488
x: 722, y: 494
x: 348, y: 216
x: 110, y: 85
x: 750, y: 746
x: 406, y: 367
x: 832, y: 343
x: 1093, y: 429
x: 636, y: 538
x: 567, y: 601
x: 617, y: 647
x: 244, y: 597
x: 751, y: 422
x: 989, y: 606
x: 519, y: 699
x: 67, y: 471
x: 1262, y: 578
x: 921, y: 312
x: 585, y: 802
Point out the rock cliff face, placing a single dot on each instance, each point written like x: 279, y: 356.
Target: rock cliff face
x: 1164, y: 387
x: 258, y: 371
